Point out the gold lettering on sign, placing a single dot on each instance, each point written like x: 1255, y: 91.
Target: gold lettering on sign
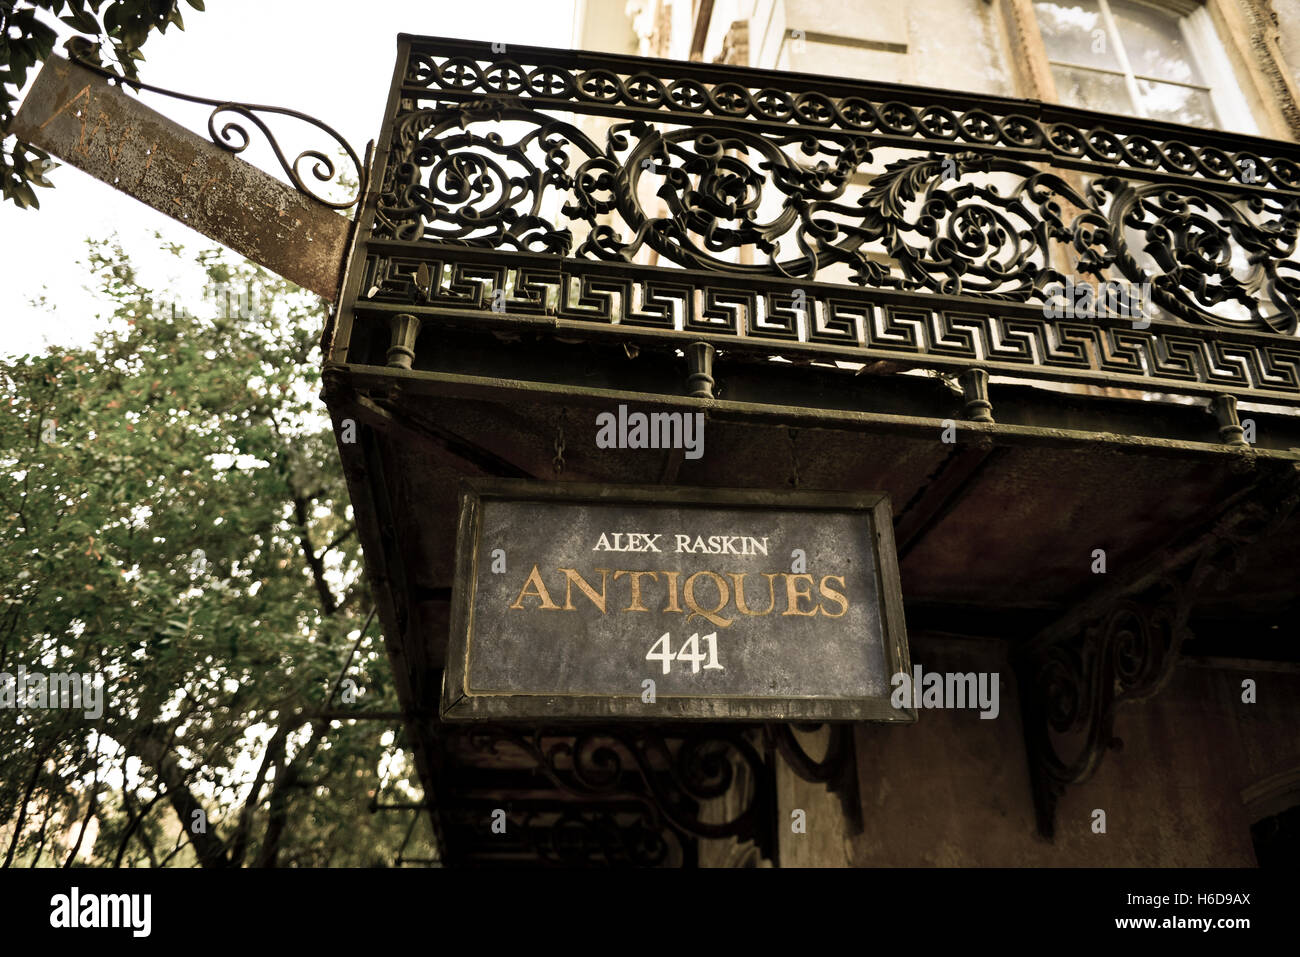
x: 539, y: 591
x: 114, y: 153
x: 740, y: 593
x: 711, y: 614
x: 672, y: 591
x: 571, y: 578
x: 86, y: 100
x: 83, y: 144
x: 798, y: 590
x: 87, y: 107
x: 84, y: 91
x: 635, y: 604
x: 794, y: 593
x: 148, y: 163
x: 835, y: 596
x: 185, y: 178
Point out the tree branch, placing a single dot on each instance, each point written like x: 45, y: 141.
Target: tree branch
x: 328, y: 603
x: 22, y: 810
x: 152, y: 745
x: 91, y: 807
x: 274, y: 751
x: 286, y: 778
x: 135, y: 820
x: 339, y: 539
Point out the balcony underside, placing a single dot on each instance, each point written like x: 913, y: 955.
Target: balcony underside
x: 1005, y: 517
x: 862, y: 287
x: 997, y: 530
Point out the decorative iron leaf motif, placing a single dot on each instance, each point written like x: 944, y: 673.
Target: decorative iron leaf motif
x: 736, y: 201
x: 455, y: 185
x: 545, y: 78
x: 1203, y: 250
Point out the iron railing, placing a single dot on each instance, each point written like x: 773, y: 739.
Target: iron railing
x: 778, y: 214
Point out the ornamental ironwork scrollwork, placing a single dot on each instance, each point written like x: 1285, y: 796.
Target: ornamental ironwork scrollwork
x: 452, y: 185
x: 448, y: 68
x: 781, y: 215
x: 673, y: 775
x: 1128, y: 655
x: 1124, y: 649
x: 232, y: 136
x: 1207, y: 250
x: 798, y: 207
x: 836, y: 769
x: 591, y: 836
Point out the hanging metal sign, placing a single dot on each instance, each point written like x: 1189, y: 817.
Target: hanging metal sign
x: 576, y: 602
x: 78, y: 116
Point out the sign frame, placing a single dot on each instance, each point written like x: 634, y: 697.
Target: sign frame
x: 460, y: 704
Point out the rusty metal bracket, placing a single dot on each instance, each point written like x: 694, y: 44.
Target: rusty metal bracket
x: 1122, y: 644
x: 837, y: 769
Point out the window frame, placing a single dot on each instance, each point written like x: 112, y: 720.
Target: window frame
x: 1205, y: 48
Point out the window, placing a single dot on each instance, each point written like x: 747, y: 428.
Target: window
x: 1121, y: 56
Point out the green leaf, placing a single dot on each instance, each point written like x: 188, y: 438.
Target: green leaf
x: 43, y: 38
x: 24, y: 196
x: 84, y: 21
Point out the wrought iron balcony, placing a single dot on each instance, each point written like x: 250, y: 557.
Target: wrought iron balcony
x: 547, y: 235
x: 774, y: 214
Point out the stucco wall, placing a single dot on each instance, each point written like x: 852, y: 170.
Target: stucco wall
x: 1288, y: 34
x: 953, y: 789
x: 890, y: 42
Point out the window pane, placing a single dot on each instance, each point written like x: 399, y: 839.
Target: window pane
x: 1176, y: 104
x: 1154, y: 43
x: 1075, y: 32
x: 1093, y: 91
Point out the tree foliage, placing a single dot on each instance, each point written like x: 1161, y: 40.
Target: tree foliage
x: 175, y: 520
x: 27, y: 38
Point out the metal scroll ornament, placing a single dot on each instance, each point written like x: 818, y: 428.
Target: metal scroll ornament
x: 668, y: 778
x: 801, y: 207
x: 1127, y: 651
x: 234, y: 137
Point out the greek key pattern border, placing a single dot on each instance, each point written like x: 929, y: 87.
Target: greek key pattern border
x: 1011, y: 338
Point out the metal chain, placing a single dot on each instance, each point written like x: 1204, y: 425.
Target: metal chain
x: 558, y: 461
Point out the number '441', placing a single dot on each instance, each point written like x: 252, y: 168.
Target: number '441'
x: 662, y: 651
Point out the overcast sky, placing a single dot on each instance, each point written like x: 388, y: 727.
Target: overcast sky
x: 332, y: 59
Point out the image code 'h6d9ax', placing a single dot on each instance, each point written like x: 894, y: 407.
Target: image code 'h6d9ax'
x: 577, y: 601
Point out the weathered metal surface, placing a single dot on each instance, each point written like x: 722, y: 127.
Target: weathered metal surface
x: 232, y: 135
x: 565, y: 594
x: 85, y: 121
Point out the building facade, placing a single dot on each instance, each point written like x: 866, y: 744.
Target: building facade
x: 834, y: 227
